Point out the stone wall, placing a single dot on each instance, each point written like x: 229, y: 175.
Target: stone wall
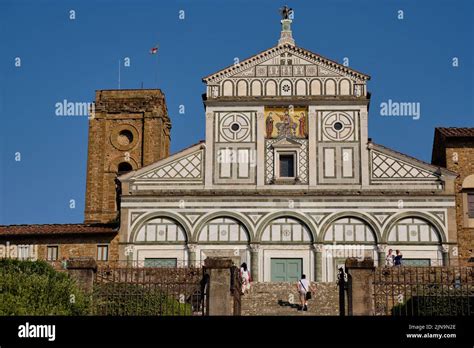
x: 463, y: 150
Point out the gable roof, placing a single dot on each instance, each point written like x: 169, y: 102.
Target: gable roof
x: 253, y: 60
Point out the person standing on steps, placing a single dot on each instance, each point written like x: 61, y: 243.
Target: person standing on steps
x: 304, y: 290
x: 389, y: 258
x: 397, y: 260
x: 245, y: 276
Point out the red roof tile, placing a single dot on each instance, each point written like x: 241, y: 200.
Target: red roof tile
x: 456, y: 132
x: 57, y: 229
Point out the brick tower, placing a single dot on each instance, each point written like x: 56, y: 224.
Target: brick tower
x: 128, y: 129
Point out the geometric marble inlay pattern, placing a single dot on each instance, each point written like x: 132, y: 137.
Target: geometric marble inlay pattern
x: 302, y: 160
x: 186, y: 167
x: 384, y: 166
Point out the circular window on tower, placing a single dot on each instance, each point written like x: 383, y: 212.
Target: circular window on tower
x: 124, y: 137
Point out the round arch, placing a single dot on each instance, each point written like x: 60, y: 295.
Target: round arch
x: 330, y: 87
x: 113, y: 167
x: 270, y: 88
x: 366, y: 219
x: 242, y: 88
x: 223, y: 214
x: 283, y: 91
x: 414, y: 214
x: 316, y: 87
x: 228, y: 88
x: 256, y: 88
x: 289, y: 214
x: 468, y: 182
x: 147, y: 217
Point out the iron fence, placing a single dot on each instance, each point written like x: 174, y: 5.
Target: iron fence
x: 148, y: 264
x: 424, y: 291
x: 159, y: 291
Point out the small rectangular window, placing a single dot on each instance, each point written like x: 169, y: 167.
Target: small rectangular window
x: 102, y: 252
x: 287, y: 166
x: 52, y: 253
x: 470, y: 205
x: 23, y: 252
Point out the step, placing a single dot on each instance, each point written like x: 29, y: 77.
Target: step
x: 267, y: 298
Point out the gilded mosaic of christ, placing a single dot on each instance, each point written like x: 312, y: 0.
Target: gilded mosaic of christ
x: 286, y: 122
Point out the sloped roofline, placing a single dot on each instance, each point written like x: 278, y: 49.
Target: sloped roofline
x: 165, y: 160
x: 305, y: 52
x: 428, y: 166
x: 455, y: 132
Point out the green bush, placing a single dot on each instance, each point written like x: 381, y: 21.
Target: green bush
x: 35, y: 288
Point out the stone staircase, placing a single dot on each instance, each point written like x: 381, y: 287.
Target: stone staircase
x: 282, y: 299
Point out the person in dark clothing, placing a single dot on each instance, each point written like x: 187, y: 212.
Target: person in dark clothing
x: 397, y: 260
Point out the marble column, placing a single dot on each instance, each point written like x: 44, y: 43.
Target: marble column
x: 254, y: 253
x: 445, y: 254
x: 318, y: 262
x: 381, y: 250
x: 192, y: 254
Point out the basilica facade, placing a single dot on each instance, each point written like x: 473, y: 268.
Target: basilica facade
x: 287, y: 179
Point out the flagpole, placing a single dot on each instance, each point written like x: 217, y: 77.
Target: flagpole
x: 153, y: 51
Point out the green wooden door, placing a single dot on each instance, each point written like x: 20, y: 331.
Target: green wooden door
x: 286, y: 270
x: 160, y: 262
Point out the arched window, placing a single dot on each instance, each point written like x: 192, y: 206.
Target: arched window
x: 412, y: 230
x: 286, y: 229
x: 161, y: 230
x: 223, y: 230
x: 123, y: 168
x: 349, y: 230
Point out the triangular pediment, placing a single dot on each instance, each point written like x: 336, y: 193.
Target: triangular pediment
x: 286, y: 61
x: 286, y: 142
x: 186, y: 166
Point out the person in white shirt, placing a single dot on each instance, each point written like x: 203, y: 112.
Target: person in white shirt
x: 389, y: 258
x: 245, y: 276
x: 303, y: 288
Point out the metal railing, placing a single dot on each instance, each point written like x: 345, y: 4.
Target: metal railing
x: 148, y: 264
x: 424, y: 291
x: 160, y: 291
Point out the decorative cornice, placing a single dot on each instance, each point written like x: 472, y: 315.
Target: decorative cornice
x: 276, y: 50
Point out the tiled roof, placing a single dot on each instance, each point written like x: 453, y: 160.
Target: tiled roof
x: 456, y: 132
x: 57, y: 229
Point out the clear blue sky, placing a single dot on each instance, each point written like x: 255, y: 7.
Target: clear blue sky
x: 409, y: 60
